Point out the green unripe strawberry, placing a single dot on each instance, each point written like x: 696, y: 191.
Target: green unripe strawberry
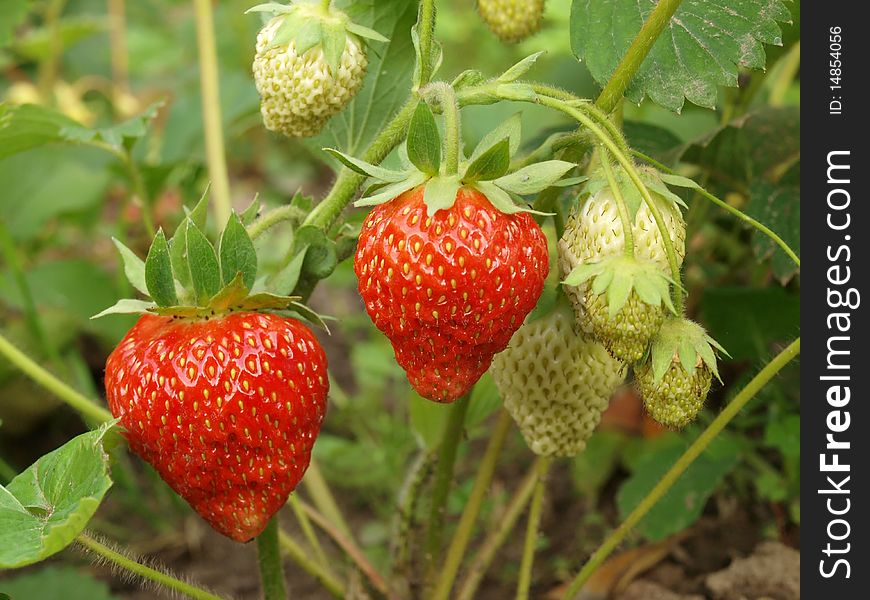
x: 512, y: 20
x: 305, y: 75
x: 625, y: 301
x: 594, y: 231
x: 676, y: 378
x: 555, y: 384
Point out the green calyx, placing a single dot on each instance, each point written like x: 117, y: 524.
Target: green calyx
x: 487, y: 169
x: 189, y: 277
x: 617, y: 277
x: 683, y: 344
x: 650, y: 177
x: 308, y: 24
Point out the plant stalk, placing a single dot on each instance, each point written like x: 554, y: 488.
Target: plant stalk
x: 301, y: 558
x: 211, y: 111
x: 531, y: 540
x: 308, y: 531
x: 323, y: 498
x: 673, y: 474
x: 643, y: 42
x: 485, y: 471
x: 162, y: 579
x: 426, y: 31
x: 269, y: 561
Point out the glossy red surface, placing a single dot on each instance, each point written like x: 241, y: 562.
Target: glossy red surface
x: 226, y: 410
x: 449, y: 290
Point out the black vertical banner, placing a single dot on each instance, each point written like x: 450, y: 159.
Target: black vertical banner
x: 835, y: 234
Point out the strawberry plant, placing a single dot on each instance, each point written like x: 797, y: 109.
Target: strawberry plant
x: 365, y: 282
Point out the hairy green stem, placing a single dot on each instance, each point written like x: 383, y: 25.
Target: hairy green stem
x: 682, y: 463
x: 530, y: 543
x: 443, y: 94
x: 731, y: 209
x: 426, y: 31
x: 43, y: 377
x: 643, y: 42
x: 504, y: 525
x: 415, y: 480
x: 325, y: 214
x: 211, y: 111
x: 627, y: 224
x: 158, y: 577
x: 288, y: 212
x: 269, y: 561
x: 301, y: 558
x: 308, y: 530
x: 443, y: 481
x: 485, y: 471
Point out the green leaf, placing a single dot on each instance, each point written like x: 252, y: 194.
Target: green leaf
x: 491, y: 164
x: 178, y: 255
x: 701, y: 48
x: 158, y: 272
x: 270, y: 7
x: 134, y: 268
x: 592, y: 469
x: 534, y: 178
x: 364, y: 168
x: 205, y: 272
x: 37, y: 42
x: 51, y: 582
x: 654, y: 141
x: 333, y: 43
x: 498, y: 197
x: 250, y: 214
x: 287, y: 278
x: 679, y: 181
x: 484, y: 401
x: 510, y: 129
x: 424, y: 140
x: 126, y: 306
x: 428, y: 420
x: 320, y: 258
x: 393, y: 190
x: 366, y: 32
x: 199, y: 213
x: 684, y: 502
x: 44, y: 508
x: 237, y: 253
x: 521, y: 68
x: 390, y: 67
x: 440, y: 193
x: 11, y: 16
x: 779, y: 207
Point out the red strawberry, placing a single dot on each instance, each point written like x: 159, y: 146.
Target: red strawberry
x: 225, y: 409
x: 449, y: 290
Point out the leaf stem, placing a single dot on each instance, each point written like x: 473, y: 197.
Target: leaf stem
x: 301, y: 558
x: 643, y: 42
x: 442, y: 93
x: 269, y: 561
x: 441, y: 488
x: 485, y: 471
x: 287, y: 212
x: 158, y: 577
x: 211, y: 110
x: 682, y: 463
x: 531, y: 540
x: 43, y: 377
x: 505, y: 524
x: 426, y: 30
x: 627, y: 224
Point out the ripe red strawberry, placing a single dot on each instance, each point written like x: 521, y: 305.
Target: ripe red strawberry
x: 225, y: 409
x: 449, y: 290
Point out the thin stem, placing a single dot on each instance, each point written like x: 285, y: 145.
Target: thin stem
x: 426, y: 31
x: 43, y: 377
x: 353, y: 552
x: 301, y: 558
x: 48, y: 66
x: 308, y: 531
x: 211, y: 111
x: 288, y: 212
x: 141, y: 570
x: 504, y: 525
x: 269, y: 561
x: 643, y: 42
x: 118, y: 47
x: 627, y: 224
x: 673, y: 474
x: 323, y: 498
x: 345, y: 186
x: 531, y: 541
x: 443, y: 481
x: 444, y: 95
x: 486, y: 469
x: 731, y: 209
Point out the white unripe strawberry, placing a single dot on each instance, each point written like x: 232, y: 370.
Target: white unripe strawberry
x: 512, y: 20
x: 555, y: 384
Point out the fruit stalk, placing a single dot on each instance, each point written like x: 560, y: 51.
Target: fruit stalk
x: 485, y: 470
x: 269, y: 561
x: 643, y: 42
x: 211, y: 111
x: 444, y: 95
x: 427, y: 35
x: 673, y: 474
x: 443, y: 480
x: 123, y: 562
x: 504, y: 525
x: 531, y: 540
